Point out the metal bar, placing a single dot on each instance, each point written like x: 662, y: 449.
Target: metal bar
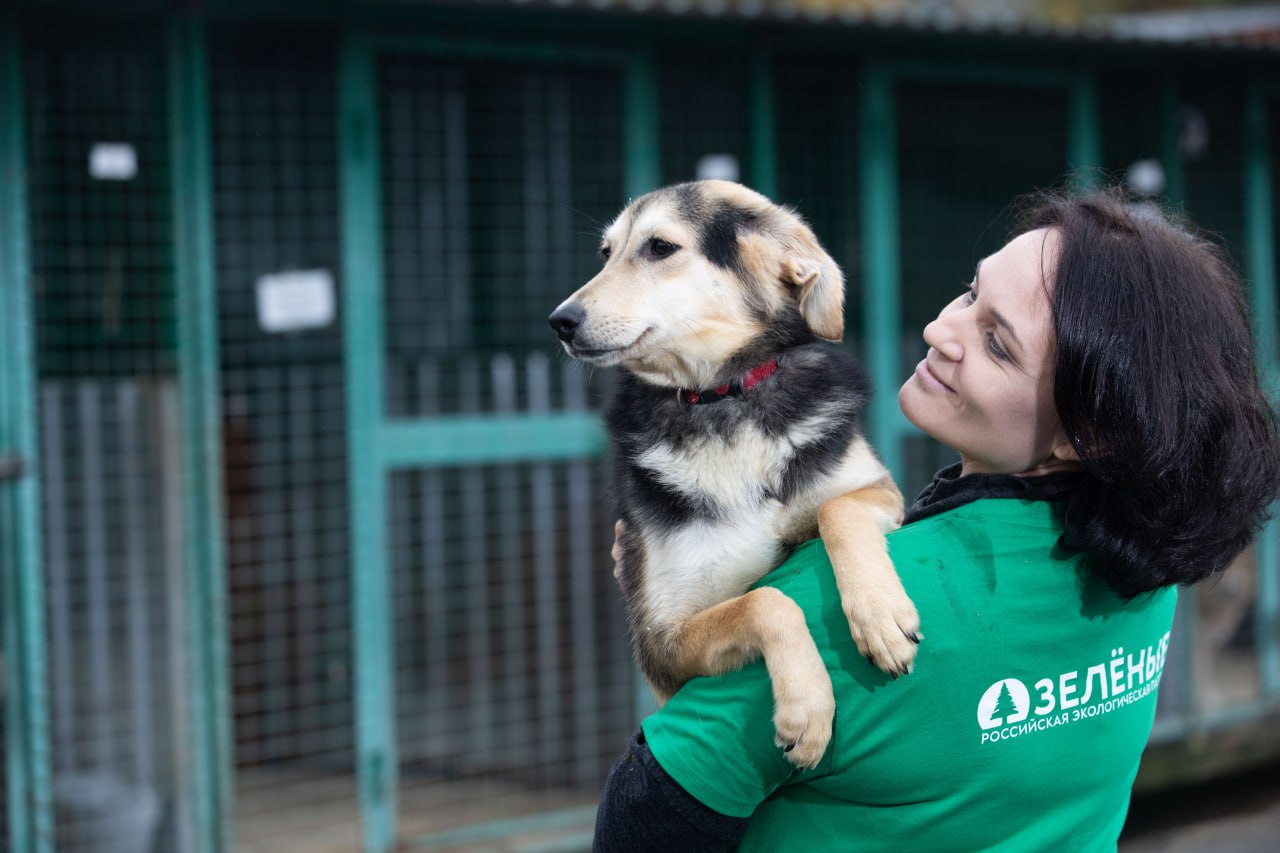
x: 1175, y: 181
x: 1084, y: 130
x: 57, y: 567
x: 179, y: 668
x: 30, y: 812
x: 881, y: 271
x: 764, y: 142
x: 362, y: 254
x: 303, y: 558
x: 487, y: 440
x: 1260, y: 269
x: 435, y: 600
x: 97, y: 620
x: 197, y: 335
x: 273, y: 568
x: 642, y: 149
x: 582, y: 570
x: 547, y: 592
x: 515, y: 605
x: 477, y: 725
x: 137, y: 566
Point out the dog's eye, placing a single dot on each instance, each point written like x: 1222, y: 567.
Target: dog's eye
x: 605, y: 252
x: 660, y: 248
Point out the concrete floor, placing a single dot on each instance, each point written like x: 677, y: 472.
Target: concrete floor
x: 1234, y: 815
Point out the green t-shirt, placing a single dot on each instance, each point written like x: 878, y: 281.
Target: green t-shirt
x: 1020, y: 729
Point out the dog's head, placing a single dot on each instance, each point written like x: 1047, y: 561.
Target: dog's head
x: 694, y: 274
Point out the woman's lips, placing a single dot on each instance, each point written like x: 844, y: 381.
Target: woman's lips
x: 930, y: 379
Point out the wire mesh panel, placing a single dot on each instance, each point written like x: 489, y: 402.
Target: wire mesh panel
x: 965, y: 153
x: 1222, y: 631
x: 284, y: 437
x: 99, y: 187
x: 817, y: 143
x: 705, y: 117
x: 514, y: 682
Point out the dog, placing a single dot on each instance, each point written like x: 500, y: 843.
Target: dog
x: 736, y: 436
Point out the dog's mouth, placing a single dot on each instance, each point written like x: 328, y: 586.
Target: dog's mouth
x: 605, y: 355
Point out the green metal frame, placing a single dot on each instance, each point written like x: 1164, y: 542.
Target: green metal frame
x: 881, y: 243
x: 1260, y: 269
x: 208, y: 790
x: 378, y: 446
x: 26, y: 716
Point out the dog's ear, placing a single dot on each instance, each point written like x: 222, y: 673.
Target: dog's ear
x: 818, y: 283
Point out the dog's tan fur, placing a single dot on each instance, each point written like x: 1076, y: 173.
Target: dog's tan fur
x: 675, y: 322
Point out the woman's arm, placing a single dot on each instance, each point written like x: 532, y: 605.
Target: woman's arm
x: 643, y: 809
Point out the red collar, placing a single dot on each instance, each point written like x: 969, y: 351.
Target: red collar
x: 754, y: 377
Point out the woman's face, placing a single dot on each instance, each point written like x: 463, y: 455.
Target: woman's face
x: 985, y: 388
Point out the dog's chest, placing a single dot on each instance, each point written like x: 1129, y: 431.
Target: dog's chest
x: 738, y: 472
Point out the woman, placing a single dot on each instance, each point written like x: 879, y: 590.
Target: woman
x: 1097, y: 379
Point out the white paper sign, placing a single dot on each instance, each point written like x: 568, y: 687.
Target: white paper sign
x: 113, y: 161
x: 295, y: 300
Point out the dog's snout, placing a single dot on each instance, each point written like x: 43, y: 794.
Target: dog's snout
x: 566, y: 319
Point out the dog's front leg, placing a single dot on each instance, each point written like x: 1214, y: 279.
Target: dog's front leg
x: 766, y: 622
x: 882, y: 619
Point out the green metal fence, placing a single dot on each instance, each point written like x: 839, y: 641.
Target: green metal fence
x: 308, y: 546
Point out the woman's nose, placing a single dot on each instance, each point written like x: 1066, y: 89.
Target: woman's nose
x: 940, y: 335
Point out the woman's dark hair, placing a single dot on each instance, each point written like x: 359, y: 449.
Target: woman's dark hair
x: 1158, y: 392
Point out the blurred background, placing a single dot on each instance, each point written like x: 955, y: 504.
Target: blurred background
x: 305, y: 519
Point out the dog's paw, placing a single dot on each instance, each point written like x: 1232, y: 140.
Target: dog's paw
x: 886, y: 628
x: 802, y: 715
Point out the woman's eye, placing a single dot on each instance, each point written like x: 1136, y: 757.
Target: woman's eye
x: 969, y: 294
x: 660, y: 248
x: 993, y: 346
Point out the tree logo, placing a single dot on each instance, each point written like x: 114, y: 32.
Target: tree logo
x: 1007, y: 701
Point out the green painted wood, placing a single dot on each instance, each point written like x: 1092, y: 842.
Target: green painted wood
x: 764, y: 142
x: 467, y: 440
x: 1175, y: 182
x: 377, y: 764
x: 209, y: 786
x: 27, y: 765
x: 1260, y: 270
x: 881, y: 267
x: 642, y: 148
x: 1084, y: 131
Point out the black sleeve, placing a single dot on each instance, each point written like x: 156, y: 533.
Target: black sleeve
x: 643, y: 809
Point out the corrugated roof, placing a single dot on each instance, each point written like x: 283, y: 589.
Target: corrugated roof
x: 1243, y: 26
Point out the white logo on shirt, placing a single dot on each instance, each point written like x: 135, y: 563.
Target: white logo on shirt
x: 1119, y: 681
x: 1007, y: 701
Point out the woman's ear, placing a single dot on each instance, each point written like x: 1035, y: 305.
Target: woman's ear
x: 820, y: 287
x: 1063, y: 450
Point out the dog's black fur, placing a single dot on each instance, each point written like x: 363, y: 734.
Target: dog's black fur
x: 811, y: 374
x: 714, y: 494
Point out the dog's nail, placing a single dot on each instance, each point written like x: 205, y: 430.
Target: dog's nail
x: 789, y: 747
x: 914, y: 637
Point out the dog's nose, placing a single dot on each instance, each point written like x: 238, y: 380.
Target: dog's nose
x: 565, y: 320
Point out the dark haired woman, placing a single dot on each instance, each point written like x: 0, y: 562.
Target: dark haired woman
x: 1097, y: 379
